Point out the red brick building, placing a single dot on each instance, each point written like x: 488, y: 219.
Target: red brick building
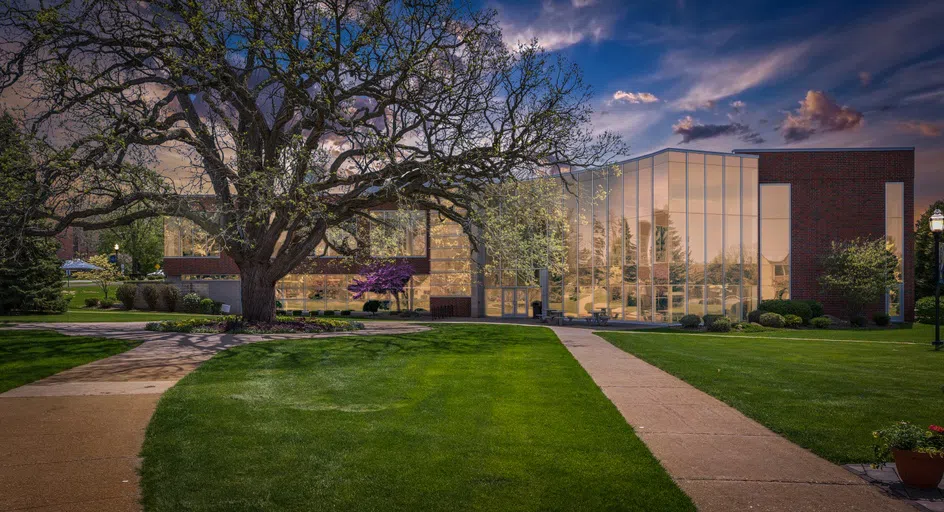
x: 842, y: 194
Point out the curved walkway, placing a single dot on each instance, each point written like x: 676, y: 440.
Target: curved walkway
x: 71, y: 441
x: 723, y: 460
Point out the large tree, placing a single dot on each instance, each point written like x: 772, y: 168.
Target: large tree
x: 142, y: 240
x: 860, y: 273
x: 292, y: 116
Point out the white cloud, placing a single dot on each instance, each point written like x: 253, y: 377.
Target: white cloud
x: 635, y: 97
x: 559, y: 25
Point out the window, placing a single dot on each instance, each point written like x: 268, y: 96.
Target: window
x: 775, y: 241
x: 403, y: 233
x: 183, y: 238
x: 895, y: 239
x: 450, y: 267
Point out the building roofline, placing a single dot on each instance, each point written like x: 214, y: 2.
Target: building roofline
x: 654, y: 153
x: 819, y: 150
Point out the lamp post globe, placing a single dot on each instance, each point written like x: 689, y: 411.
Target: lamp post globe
x: 937, y: 227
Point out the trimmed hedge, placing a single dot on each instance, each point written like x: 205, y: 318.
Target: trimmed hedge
x: 881, y: 319
x: 171, y: 296
x: 772, y: 320
x: 152, y: 295
x: 721, y: 324
x: 754, y: 316
x: 690, y: 321
x: 816, y: 307
x: 190, y: 303
x: 92, y: 302
x: 799, y: 308
x: 710, y: 319
x: 821, y: 322
x: 126, y: 294
x: 792, y: 321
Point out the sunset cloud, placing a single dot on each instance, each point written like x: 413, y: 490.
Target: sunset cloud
x: 818, y: 113
x: 635, y: 97
x: 559, y: 25
x: 691, y: 130
x: 922, y: 128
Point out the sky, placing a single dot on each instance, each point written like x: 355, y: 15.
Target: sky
x: 724, y: 75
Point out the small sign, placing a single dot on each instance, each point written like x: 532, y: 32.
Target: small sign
x: 113, y: 259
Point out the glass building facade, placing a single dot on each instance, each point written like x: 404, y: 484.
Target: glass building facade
x: 656, y: 238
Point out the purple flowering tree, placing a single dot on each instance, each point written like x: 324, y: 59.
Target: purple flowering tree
x: 382, y: 278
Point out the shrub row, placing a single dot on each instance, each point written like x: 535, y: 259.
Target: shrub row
x: 805, y: 309
x: 924, y: 311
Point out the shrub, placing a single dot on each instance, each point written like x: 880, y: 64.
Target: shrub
x: 152, y: 295
x: 92, y: 302
x: 816, y: 307
x: 792, y: 321
x: 721, y: 324
x: 858, y: 321
x: 909, y: 437
x: 372, y: 306
x: 754, y: 316
x: 821, y: 322
x: 296, y: 312
x: 329, y: 312
x: 881, y: 319
x: 772, y: 320
x: 106, y: 303
x: 280, y: 312
x: 799, y: 308
x: 190, y: 303
x: 710, y: 319
x: 313, y: 313
x: 126, y: 294
x: 346, y: 312
x: 924, y: 311
x: 690, y: 321
x: 206, y: 306
x: 171, y: 296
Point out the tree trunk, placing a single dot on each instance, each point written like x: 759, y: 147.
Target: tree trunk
x: 258, y: 294
x: 397, y: 296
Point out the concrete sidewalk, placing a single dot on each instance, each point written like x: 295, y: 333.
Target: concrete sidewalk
x: 722, y: 459
x: 70, y: 442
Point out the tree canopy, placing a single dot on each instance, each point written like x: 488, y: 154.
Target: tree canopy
x: 860, y: 272
x: 292, y: 117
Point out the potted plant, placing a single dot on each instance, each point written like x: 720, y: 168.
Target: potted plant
x: 918, y: 453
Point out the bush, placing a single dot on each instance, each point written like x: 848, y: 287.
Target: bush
x: 152, y: 295
x: 858, y: 321
x: 372, y: 306
x: 772, y: 320
x: 721, y: 324
x: 278, y: 311
x: 710, y: 319
x: 211, y: 307
x: 346, y: 312
x: 171, y: 296
x: 799, y: 308
x: 92, y: 302
x: 329, y: 313
x: 816, y: 307
x: 881, y: 319
x: 690, y: 321
x: 792, y: 321
x: 821, y: 322
x: 924, y: 311
x: 754, y: 316
x: 106, y: 303
x: 313, y: 313
x: 296, y: 312
x: 126, y: 294
x: 190, y: 303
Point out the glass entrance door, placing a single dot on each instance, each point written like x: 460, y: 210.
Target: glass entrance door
x: 516, y: 303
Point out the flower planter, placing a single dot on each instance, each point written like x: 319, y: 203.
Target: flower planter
x: 918, y: 469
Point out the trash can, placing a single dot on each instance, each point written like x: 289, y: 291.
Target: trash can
x: 536, y: 310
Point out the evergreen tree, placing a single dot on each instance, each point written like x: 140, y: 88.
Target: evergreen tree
x: 30, y: 273
x: 924, y: 253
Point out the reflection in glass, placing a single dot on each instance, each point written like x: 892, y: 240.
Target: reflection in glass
x: 775, y: 241
x: 895, y: 240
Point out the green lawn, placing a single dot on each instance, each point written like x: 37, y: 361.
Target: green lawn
x: 827, y: 395
x: 464, y: 417
x: 27, y: 356
x: 99, y: 315
x: 86, y: 291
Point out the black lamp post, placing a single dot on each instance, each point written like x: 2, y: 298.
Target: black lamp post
x: 937, y: 226
x: 116, y: 257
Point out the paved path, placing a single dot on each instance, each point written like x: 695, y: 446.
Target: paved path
x: 70, y: 442
x: 722, y: 459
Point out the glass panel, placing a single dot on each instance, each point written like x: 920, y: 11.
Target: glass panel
x: 402, y: 233
x: 171, y: 237
x: 508, y: 302
x: 615, y: 240
x: 570, y: 275
x: 585, y: 244
x: 599, y: 257
x: 775, y: 241
x: 646, y: 245
x: 677, y: 224
x: 714, y: 229
x: 894, y: 237
x: 630, y: 230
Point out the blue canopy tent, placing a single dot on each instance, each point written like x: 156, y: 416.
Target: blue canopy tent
x: 76, y: 265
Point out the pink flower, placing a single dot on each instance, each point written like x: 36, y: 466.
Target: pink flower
x: 935, y: 428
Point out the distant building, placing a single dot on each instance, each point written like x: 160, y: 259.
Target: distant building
x: 676, y: 232
x: 77, y: 243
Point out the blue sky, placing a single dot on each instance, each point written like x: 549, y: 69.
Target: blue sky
x: 737, y: 74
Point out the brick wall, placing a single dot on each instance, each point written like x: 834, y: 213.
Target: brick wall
x: 462, y: 306
x: 840, y: 195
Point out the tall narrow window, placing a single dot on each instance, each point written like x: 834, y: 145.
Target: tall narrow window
x: 775, y: 241
x: 895, y: 238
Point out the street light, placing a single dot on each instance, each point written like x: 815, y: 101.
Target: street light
x: 937, y: 226
x: 116, y: 255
